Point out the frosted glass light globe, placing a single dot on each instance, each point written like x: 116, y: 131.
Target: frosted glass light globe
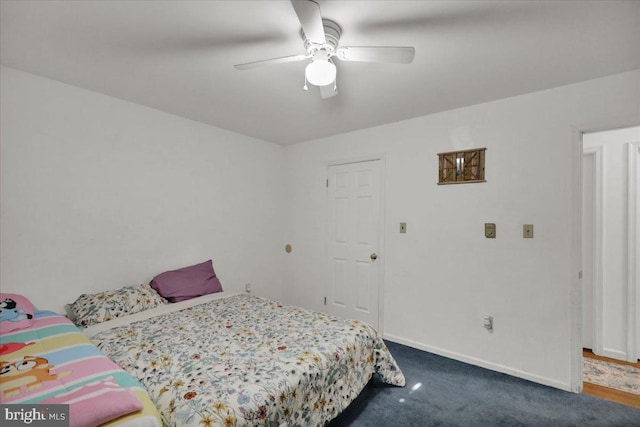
x: 320, y: 72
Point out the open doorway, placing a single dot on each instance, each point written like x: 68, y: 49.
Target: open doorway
x: 609, y: 227
x: 610, y: 294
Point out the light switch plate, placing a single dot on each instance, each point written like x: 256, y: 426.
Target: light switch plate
x: 403, y: 227
x: 527, y: 231
x: 489, y: 230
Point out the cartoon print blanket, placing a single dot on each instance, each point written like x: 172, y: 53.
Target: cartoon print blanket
x: 51, y: 361
x: 16, y: 312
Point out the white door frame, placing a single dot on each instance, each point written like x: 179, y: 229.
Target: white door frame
x: 596, y: 156
x: 381, y: 259
x: 575, y: 263
x: 633, y: 250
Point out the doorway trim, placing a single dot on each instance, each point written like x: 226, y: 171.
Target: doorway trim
x: 383, y: 185
x: 633, y: 295
x: 575, y: 264
x: 596, y: 155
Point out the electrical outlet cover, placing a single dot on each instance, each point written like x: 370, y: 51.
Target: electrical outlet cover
x: 490, y: 230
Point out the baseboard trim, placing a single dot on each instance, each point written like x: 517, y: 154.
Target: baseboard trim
x: 482, y: 363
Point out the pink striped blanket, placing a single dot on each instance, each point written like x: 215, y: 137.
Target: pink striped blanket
x: 53, y: 362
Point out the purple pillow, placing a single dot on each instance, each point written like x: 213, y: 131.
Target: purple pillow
x: 187, y: 282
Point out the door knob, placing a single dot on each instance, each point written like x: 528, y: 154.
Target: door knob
x: 374, y: 256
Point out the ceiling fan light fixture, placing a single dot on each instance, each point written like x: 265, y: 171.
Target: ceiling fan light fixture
x: 321, y: 40
x: 320, y: 72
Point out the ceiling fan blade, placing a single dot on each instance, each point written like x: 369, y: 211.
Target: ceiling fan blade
x: 398, y: 55
x: 308, y: 12
x: 281, y: 60
x: 328, y: 91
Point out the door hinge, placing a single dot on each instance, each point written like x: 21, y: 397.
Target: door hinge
x: 327, y: 183
x: 325, y: 300
x: 580, y: 275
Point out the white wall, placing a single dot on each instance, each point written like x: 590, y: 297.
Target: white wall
x: 615, y: 235
x: 97, y: 193
x: 444, y: 275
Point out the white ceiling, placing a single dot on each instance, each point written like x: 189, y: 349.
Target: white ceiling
x: 178, y: 56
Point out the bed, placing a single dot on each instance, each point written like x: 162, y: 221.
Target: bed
x: 231, y: 359
x: 46, y: 359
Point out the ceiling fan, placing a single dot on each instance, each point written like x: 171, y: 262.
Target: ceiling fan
x: 321, y: 41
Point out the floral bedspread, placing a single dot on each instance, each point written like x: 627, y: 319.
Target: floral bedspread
x: 249, y: 361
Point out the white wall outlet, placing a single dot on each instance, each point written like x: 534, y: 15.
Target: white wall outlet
x: 488, y: 323
x: 247, y: 288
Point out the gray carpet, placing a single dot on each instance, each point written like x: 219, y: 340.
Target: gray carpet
x: 457, y: 394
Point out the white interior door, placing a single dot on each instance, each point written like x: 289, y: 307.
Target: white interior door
x: 354, y: 234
